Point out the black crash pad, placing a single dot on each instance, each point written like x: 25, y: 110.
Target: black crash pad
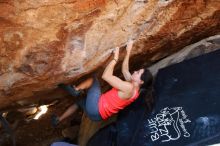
x: 186, y: 111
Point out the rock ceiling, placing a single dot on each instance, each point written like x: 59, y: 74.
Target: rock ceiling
x: 45, y: 42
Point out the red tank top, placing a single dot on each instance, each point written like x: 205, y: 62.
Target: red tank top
x: 110, y: 103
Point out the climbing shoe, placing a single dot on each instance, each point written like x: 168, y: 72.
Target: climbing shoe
x: 71, y: 90
x: 54, y: 120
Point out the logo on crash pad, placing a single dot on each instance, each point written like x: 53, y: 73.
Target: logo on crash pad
x: 169, y: 125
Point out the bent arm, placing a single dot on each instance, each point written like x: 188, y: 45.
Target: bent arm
x: 113, y: 80
x: 109, y: 69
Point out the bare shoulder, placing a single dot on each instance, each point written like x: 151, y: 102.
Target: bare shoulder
x: 128, y: 93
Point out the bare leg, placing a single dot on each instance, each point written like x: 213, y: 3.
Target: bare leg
x: 68, y: 112
x: 85, y: 85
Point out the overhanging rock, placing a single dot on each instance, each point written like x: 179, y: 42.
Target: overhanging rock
x: 43, y: 43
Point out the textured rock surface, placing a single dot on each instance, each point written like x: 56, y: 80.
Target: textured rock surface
x: 45, y: 42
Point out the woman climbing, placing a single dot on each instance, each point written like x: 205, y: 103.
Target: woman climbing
x: 99, y: 106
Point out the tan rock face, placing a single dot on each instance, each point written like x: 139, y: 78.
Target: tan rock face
x: 45, y: 42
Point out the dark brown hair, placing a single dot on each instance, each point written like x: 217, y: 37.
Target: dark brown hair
x: 147, y: 88
x: 147, y: 78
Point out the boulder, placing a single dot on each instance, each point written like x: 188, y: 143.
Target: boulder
x: 46, y: 42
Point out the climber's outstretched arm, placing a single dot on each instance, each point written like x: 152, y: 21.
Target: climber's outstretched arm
x: 125, y: 64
